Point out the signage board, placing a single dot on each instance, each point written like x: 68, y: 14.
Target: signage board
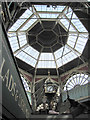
x: 15, y: 102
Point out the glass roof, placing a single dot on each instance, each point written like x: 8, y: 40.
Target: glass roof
x: 48, y: 15
x: 49, y: 9
x: 22, y: 19
x: 29, y: 23
x: 46, y: 61
x: 14, y: 43
x: 76, y: 41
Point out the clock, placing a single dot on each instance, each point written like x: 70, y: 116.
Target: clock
x: 50, y: 88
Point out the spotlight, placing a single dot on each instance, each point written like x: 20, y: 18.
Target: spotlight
x: 48, y: 5
x: 54, y: 6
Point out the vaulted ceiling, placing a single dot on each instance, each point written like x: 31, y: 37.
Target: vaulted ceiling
x: 50, y: 37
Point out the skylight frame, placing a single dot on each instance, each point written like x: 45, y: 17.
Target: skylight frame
x: 17, y: 25
x: 46, y: 57
x: 48, y: 15
x: 82, y: 43
x: 28, y: 14
x: 21, y: 18
x: 31, y: 52
x: 64, y: 59
x: 46, y: 60
x: 26, y: 58
x: 14, y: 43
x: 46, y: 64
x: 78, y: 23
x: 70, y: 19
x: 60, y: 15
x: 63, y: 20
x: 56, y: 53
x: 72, y: 39
x: 44, y: 8
x: 22, y: 40
x: 26, y: 25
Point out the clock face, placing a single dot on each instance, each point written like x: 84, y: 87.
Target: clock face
x: 50, y: 88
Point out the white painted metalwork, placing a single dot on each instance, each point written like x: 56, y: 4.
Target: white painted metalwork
x: 76, y: 80
x: 77, y: 36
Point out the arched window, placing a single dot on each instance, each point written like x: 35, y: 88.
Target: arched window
x: 26, y: 86
x: 76, y: 80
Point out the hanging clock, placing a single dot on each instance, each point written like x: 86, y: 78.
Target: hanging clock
x: 50, y: 88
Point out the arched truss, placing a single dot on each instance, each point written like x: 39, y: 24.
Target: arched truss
x: 26, y: 86
x: 75, y: 80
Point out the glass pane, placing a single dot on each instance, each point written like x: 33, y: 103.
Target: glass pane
x: 46, y: 64
x: 64, y: 60
x: 48, y: 15
x: 26, y: 14
x: 82, y: 40
x: 72, y: 29
x: 17, y: 24
x: 79, y: 48
x: 31, y: 51
x: 50, y: 8
x: 85, y: 82
x: 25, y: 84
x: 69, y: 80
x: 46, y: 56
x: 72, y: 39
x: 14, y: 48
x: 77, y: 23
x: 75, y: 79
x: 69, y: 57
x: 84, y: 35
x: 26, y: 58
x: 14, y: 43
x: 72, y: 82
x: 21, y: 20
x: 68, y: 13
x: 65, y: 22
x: 29, y: 23
x: 21, y: 33
x: 71, y: 43
x: 66, y: 50
x: 22, y: 40
x: 86, y: 76
x: 59, y: 62
x: 58, y: 53
x: 11, y: 34
x: 40, y: 7
x: 70, y: 85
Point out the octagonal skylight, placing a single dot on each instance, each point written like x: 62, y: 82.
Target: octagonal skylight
x: 76, y: 41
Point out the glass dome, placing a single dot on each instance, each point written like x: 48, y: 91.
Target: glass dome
x: 34, y: 16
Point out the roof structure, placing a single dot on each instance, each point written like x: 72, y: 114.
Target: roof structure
x: 50, y: 39
x: 48, y: 36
